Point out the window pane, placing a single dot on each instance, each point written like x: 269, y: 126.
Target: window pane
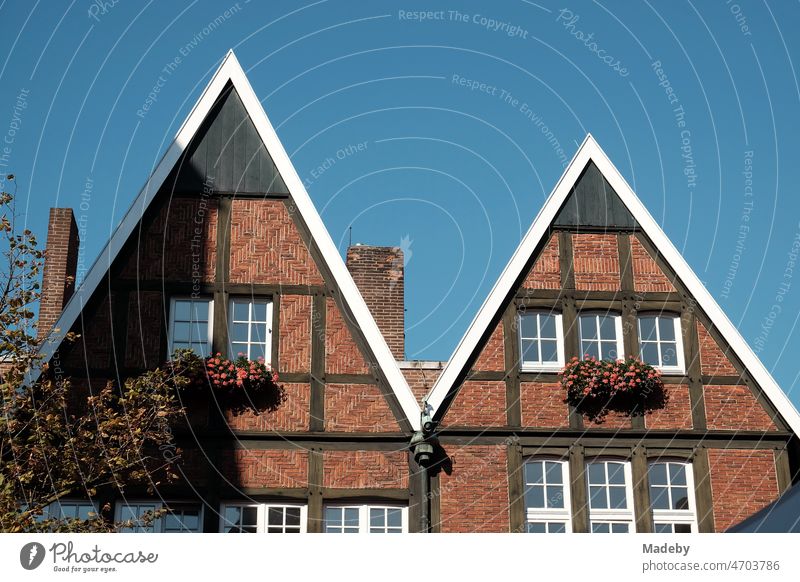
x: 608, y: 350
x: 588, y: 325
x: 182, y: 310
x: 394, y: 517
x: 534, y: 497
x: 181, y: 331
x: 600, y: 528
x: 555, y: 496
x: 666, y: 328
x: 549, y: 351
x: 677, y: 474
x: 662, y: 528
x: 647, y: 328
x: 597, y: 474
x: 590, y: 350
x: 658, y: 474
x: 650, y: 354
x: 275, y: 516
x: 257, y: 351
x: 617, y: 497
x: 259, y: 311
x: 680, y: 498
x: 333, y: 516
x: 597, y: 498
x: 616, y: 473
x: 199, y: 311
x: 548, y: 326
x: 659, y: 498
x: 555, y: 527
x: 553, y: 471
x: 536, y: 528
x: 608, y: 329
x: 377, y: 517
x: 240, y: 310
x: 530, y: 351
x: 619, y: 528
x: 351, y: 517
x: 533, y: 472
x: 528, y: 326
x: 669, y: 354
x: 258, y: 332
x: 293, y: 516
x: 238, y: 332
x: 683, y: 528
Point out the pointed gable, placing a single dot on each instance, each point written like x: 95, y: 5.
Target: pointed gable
x: 227, y: 153
x: 276, y: 239
x: 615, y: 244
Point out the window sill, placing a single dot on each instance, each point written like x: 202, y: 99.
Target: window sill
x: 541, y: 370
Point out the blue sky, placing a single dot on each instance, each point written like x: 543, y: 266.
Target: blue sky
x: 460, y: 115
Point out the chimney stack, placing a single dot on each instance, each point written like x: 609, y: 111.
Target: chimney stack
x: 60, y: 266
x: 379, y: 275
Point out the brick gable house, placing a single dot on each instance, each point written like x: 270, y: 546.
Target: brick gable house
x: 223, y: 247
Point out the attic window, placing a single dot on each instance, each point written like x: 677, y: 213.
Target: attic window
x: 541, y: 341
x: 190, y: 325
x: 250, y: 328
x: 660, y: 342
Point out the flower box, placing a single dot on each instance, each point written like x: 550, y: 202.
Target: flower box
x: 596, y: 387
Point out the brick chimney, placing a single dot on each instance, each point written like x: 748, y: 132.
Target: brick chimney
x: 379, y: 275
x: 60, y: 265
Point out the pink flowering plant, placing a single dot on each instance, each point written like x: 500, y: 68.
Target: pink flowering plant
x: 243, y: 383
x: 596, y: 387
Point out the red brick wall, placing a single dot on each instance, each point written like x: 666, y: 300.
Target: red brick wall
x: 678, y: 412
x: 542, y: 405
x: 647, y: 276
x: 492, y: 357
x: 293, y: 415
x: 266, y: 246
x: 357, y: 408
x: 421, y: 380
x: 478, y: 403
x: 164, y: 249
x: 613, y: 420
x: 735, y: 408
x: 474, y: 497
x: 295, y: 333
x: 342, y: 355
x: 379, y: 274
x: 146, y: 311
x: 596, y: 262
x: 95, y: 344
x: 61, y: 262
x: 546, y: 271
x: 266, y: 468
x: 742, y: 482
x: 365, y: 469
x: 713, y: 361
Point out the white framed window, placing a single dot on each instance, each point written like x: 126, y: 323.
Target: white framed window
x: 660, y: 342
x: 70, y: 509
x: 541, y: 341
x: 263, y: 518
x: 180, y: 517
x: 366, y: 519
x: 608, y: 483
x: 601, y: 335
x: 547, y: 501
x: 250, y: 328
x: 191, y: 324
x: 672, y: 497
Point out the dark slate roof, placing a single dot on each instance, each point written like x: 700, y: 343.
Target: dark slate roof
x: 780, y: 516
x: 592, y: 202
x: 227, y: 151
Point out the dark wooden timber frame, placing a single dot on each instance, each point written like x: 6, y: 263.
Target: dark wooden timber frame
x: 634, y: 443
